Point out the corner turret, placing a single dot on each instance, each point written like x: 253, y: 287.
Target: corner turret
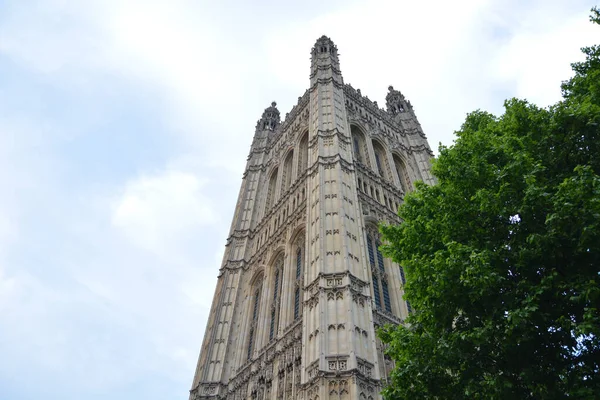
x: 324, y: 61
x: 270, y: 119
x: 396, y: 103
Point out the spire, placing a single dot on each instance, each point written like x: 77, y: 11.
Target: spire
x: 395, y: 102
x: 324, y: 61
x: 270, y: 118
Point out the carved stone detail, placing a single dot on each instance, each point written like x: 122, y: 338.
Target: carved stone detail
x: 276, y: 336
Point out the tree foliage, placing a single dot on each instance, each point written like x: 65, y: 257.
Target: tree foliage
x: 502, y: 256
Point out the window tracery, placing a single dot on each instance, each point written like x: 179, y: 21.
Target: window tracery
x: 254, y: 315
x: 276, y: 303
x: 381, y: 294
x: 303, y: 154
x: 402, y: 173
x: 286, y: 180
x: 359, y: 145
x: 271, y: 190
x: 382, y: 166
x: 299, y: 283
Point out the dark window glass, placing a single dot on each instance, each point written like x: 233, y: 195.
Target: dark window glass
x: 370, y: 250
x: 297, y: 303
x: 376, y: 292
x: 386, y: 296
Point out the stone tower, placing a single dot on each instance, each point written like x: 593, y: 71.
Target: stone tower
x: 303, y: 286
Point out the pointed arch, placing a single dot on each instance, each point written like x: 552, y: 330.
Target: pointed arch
x: 277, y: 272
x: 286, y: 180
x: 299, y: 256
x: 303, y: 154
x: 382, y: 166
x: 271, y: 190
x: 360, y: 150
x: 402, y: 172
x: 254, y: 311
x: 381, y: 292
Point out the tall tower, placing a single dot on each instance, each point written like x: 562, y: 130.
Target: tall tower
x: 303, y: 285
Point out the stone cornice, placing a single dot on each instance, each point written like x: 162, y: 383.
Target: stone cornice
x: 381, y: 318
x: 325, y: 68
x: 325, y: 81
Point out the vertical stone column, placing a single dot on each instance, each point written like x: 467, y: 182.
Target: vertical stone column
x: 334, y: 254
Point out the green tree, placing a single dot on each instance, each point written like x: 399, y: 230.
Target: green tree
x: 502, y: 256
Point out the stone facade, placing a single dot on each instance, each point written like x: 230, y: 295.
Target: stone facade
x: 303, y: 286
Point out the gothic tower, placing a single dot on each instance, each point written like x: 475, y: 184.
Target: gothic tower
x: 303, y: 285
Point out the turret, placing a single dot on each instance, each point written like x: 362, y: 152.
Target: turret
x: 265, y: 127
x: 270, y: 119
x: 396, y: 103
x: 324, y: 62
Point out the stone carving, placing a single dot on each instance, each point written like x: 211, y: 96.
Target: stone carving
x: 317, y: 212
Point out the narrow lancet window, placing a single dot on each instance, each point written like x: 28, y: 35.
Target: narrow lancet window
x: 299, y: 282
x: 303, y: 155
x: 379, y: 257
x: 253, y: 322
x: 271, y: 191
x: 376, y: 292
x: 370, y: 250
x: 276, y: 298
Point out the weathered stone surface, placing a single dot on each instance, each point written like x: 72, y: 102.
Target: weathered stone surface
x: 303, y: 285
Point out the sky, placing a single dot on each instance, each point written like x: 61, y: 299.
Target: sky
x: 124, y: 131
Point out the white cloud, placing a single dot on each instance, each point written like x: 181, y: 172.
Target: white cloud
x: 109, y: 283
x: 538, y: 58
x: 157, y: 210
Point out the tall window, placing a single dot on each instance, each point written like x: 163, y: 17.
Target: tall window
x: 276, y: 297
x: 403, y: 279
x: 303, y: 154
x: 357, y: 153
x: 378, y: 162
x: 299, y: 283
x: 402, y: 276
x: 381, y: 162
x: 379, y: 278
x: 271, y: 191
x: 254, y: 318
x: 402, y: 173
x: 286, y: 180
x: 359, y: 145
x: 376, y: 293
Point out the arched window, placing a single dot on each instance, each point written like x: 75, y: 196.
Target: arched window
x: 379, y: 277
x: 402, y: 173
x: 286, y: 180
x: 299, y: 283
x: 271, y: 190
x: 382, y: 166
x: 379, y: 256
x: 303, y: 154
x: 277, y: 282
x: 255, y: 310
x: 359, y: 146
x: 357, y: 152
x: 376, y: 292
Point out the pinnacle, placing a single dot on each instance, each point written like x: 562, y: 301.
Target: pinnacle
x: 324, y: 40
